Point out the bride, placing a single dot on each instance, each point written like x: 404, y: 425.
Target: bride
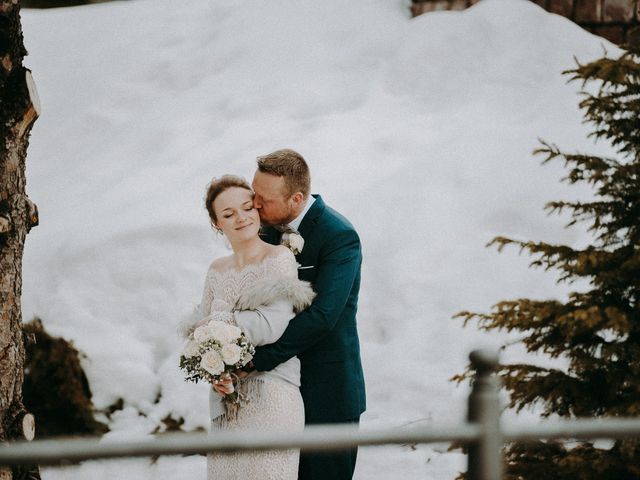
x: 255, y: 276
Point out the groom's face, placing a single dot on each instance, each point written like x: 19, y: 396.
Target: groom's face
x: 272, y: 204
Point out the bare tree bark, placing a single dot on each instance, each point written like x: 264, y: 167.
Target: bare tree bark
x: 19, y: 108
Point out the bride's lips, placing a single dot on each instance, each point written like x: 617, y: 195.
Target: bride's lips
x: 243, y: 226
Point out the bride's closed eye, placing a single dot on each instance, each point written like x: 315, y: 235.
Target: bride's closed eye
x: 246, y: 208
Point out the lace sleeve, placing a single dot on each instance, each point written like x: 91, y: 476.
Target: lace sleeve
x: 189, y: 321
x: 207, y: 296
x: 285, y: 263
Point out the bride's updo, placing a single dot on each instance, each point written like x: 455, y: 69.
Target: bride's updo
x: 219, y: 185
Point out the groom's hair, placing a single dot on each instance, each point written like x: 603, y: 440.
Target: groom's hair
x: 290, y: 165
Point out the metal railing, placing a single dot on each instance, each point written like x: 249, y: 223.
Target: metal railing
x: 483, y: 434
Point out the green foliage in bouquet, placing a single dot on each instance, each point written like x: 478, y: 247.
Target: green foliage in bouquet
x: 190, y: 367
x: 597, y: 330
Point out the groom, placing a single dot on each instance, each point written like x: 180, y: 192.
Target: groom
x: 324, y: 336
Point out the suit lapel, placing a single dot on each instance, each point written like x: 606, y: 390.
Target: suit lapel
x: 308, y: 229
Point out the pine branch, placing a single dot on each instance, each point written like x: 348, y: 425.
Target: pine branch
x: 594, y: 332
x: 620, y: 71
x: 553, y: 460
x: 590, y: 168
x: 530, y: 385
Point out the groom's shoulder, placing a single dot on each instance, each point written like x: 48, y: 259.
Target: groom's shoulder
x: 335, y: 220
x: 339, y: 219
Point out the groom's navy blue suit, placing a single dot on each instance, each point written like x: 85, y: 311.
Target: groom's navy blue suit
x: 324, y: 336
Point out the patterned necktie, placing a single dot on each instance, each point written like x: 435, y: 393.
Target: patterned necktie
x: 285, y: 237
x: 284, y: 228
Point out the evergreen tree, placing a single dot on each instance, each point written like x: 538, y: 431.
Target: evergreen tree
x: 597, y: 330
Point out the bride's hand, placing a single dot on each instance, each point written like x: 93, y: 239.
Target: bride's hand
x: 223, y: 387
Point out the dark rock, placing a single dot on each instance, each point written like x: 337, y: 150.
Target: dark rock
x: 55, y: 387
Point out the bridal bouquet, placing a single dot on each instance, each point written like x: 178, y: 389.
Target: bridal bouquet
x: 213, y: 351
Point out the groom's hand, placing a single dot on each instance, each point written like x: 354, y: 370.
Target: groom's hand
x: 241, y: 374
x: 245, y: 371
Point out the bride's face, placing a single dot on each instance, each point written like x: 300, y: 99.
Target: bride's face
x: 236, y: 215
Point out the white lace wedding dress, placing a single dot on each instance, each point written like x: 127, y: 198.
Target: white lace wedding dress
x: 277, y: 406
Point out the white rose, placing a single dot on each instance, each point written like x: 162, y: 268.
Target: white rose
x: 191, y: 349
x: 203, y: 332
x: 219, y: 332
x: 234, y: 332
x: 212, y: 362
x: 225, y: 332
x: 231, y: 354
x: 296, y: 243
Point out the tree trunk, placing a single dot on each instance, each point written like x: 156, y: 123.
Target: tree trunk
x: 19, y: 107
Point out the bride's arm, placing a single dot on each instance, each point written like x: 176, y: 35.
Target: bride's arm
x: 266, y: 307
x: 266, y: 323
x: 203, y: 310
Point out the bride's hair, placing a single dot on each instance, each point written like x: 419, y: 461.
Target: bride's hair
x: 219, y: 185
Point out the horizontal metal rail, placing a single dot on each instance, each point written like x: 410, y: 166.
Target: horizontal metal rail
x: 482, y: 433
x: 320, y: 438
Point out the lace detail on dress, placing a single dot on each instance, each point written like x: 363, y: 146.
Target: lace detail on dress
x: 226, y: 285
x: 276, y: 406
x: 207, y: 298
x: 279, y: 408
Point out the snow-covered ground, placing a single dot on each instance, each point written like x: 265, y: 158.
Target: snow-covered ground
x: 418, y: 130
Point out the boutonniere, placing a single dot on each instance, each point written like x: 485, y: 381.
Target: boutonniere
x: 293, y: 241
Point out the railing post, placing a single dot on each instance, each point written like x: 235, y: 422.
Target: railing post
x: 485, y: 455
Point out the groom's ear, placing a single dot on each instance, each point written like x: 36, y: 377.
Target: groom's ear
x: 297, y: 198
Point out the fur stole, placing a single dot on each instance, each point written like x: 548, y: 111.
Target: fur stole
x: 263, y: 292
x: 269, y: 290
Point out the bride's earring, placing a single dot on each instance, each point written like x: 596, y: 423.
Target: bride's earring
x: 219, y: 232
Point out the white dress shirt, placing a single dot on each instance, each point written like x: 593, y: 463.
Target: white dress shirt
x: 295, y: 223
